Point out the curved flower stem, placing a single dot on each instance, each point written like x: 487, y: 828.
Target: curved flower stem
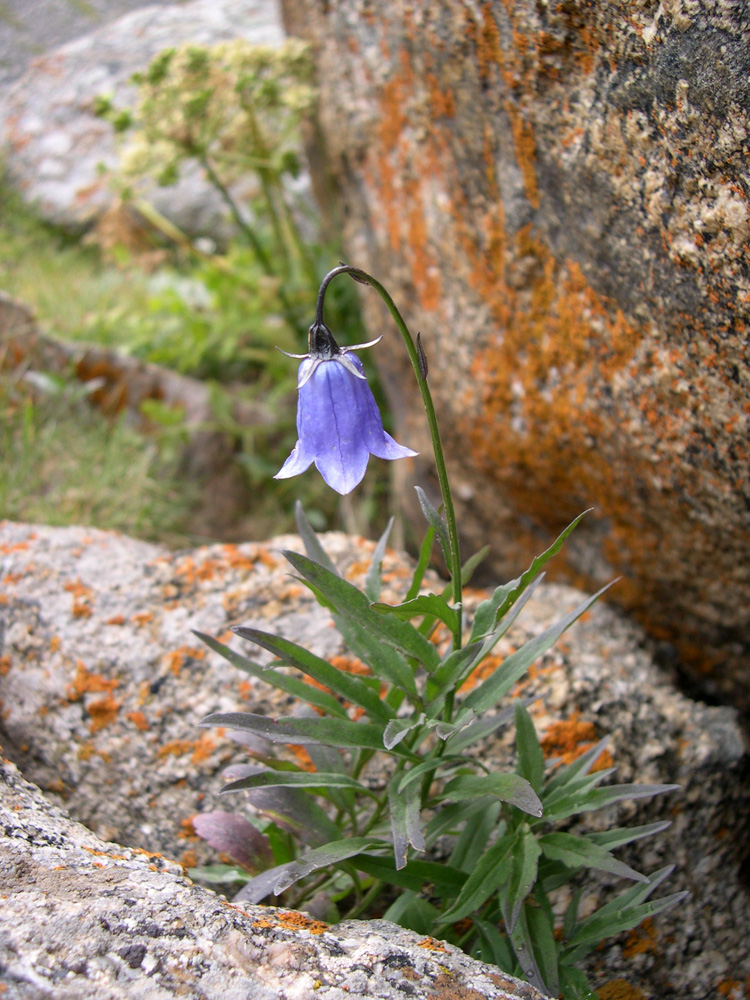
x: 421, y: 377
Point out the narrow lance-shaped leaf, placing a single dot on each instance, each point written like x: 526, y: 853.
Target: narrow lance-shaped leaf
x: 291, y: 685
x: 436, y: 521
x: 347, y: 685
x: 515, y: 665
x: 374, y: 579
x: 579, y: 852
x: 405, y: 810
x: 311, y: 541
x: 530, y: 755
x: 491, y: 611
x: 425, y: 551
x: 508, y: 787
x: 489, y: 873
x: 276, y: 880
x: 433, y: 605
x: 329, y: 732
x: 523, y: 866
x: 353, y: 604
x: 297, y: 779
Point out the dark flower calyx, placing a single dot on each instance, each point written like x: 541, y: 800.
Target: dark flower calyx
x: 321, y: 342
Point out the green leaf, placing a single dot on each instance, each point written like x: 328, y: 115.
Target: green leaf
x: 419, y: 770
x: 413, y: 912
x: 618, y: 836
x: 523, y: 866
x: 449, y: 819
x: 291, y: 685
x: 276, y: 880
x: 580, y: 766
x: 311, y: 541
x: 374, y: 580
x: 579, y: 852
x: 493, y: 947
x: 436, y: 521
x: 588, y: 799
x: 424, y: 604
x: 474, y: 837
x: 477, y: 731
x: 489, y: 873
x: 542, y: 933
x: 530, y: 756
x: 491, y: 611
x: 508, y: 787
x: 296, y: 779
x: 423, y: 562
x: 329, y: 732
x: 219, y: 874
x: 352, y: 604
x: 397, y: 729
x: 405, y: 811
x: 623, y: 913
x: 446, y: 881
x: 514, y: 666
x: 523, y: 946
x: 346, y: 685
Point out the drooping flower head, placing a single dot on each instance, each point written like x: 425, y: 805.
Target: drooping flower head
x: 338, y: 421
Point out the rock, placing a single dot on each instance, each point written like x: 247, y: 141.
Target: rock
x: 55, y: 144
x: 119, y: 923
x: 556, y: 195
x: 103, y: 685
x: 30, y: 28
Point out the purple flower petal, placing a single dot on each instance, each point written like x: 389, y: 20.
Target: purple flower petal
x: 338, y: 423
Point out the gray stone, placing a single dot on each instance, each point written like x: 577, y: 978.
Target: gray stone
x: 557, y: 196
x: 87, y: 920
x: 54, y: 145
x: 103, y: 686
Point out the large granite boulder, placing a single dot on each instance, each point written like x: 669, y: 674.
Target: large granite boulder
x: 54, y: 145
x: 557, y: 194
x: 103, y: 685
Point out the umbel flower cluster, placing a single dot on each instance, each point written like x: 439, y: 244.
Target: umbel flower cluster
x: 338, y: 421
x: 400, y: 813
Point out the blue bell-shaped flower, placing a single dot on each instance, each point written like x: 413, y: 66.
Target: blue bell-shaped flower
x: 338, y: 421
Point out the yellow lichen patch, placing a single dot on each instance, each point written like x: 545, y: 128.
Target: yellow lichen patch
x: 569, y: 738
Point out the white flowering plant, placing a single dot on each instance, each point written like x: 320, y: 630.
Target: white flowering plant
x: 401, y: 813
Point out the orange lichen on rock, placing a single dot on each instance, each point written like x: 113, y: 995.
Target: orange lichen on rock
x: 175, y: 659
x: 139, y: 720
x: 619, y: 989
x: 298, y: 921
x: 570, y: 738
x: 82, y: 598
x: 103, y: 712
x: 302, y: 756
x: 86, y: 682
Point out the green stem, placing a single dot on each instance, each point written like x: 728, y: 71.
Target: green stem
x: 437, y: 447
x: 367, y: 900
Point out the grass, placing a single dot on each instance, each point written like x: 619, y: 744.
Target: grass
x: 63, y: 464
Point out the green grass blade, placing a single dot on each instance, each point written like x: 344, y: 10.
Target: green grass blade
x: 530, y: 755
